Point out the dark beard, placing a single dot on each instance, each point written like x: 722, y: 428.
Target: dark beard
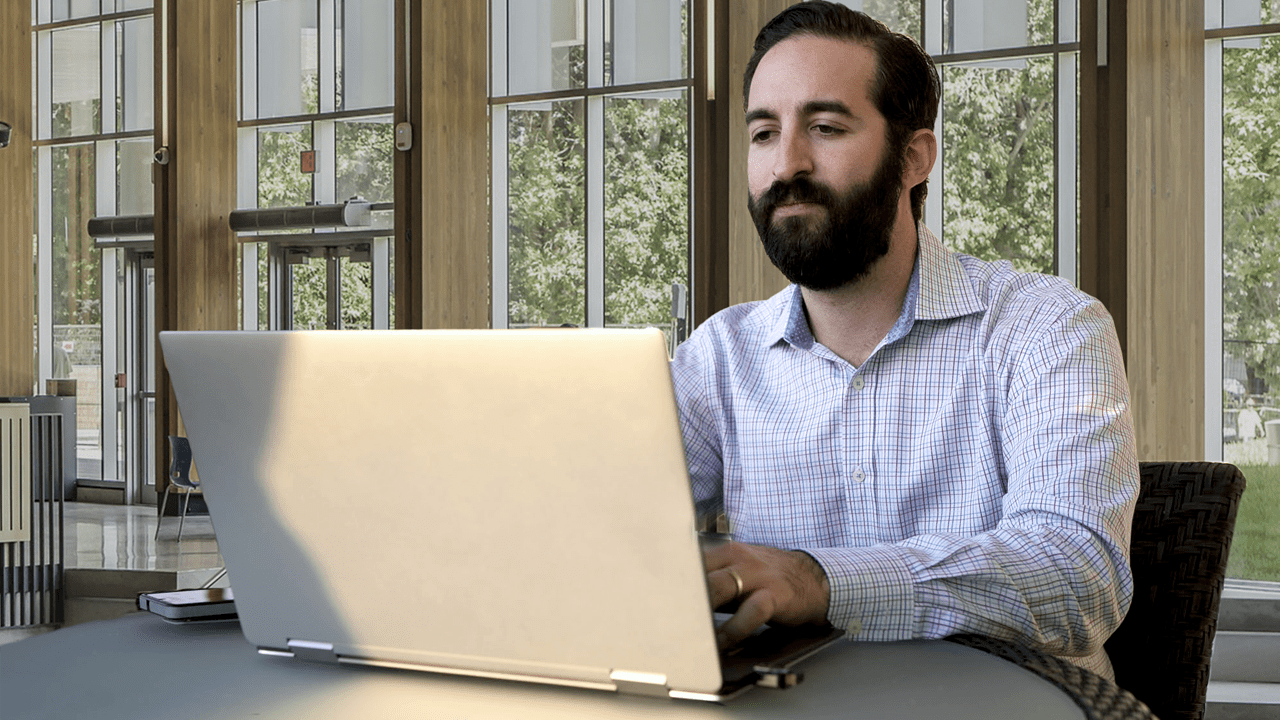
x: 831, y: 252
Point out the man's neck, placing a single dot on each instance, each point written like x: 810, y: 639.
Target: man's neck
x: 853, y: 319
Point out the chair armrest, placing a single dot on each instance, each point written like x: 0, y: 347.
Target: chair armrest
x: 1098, y: 697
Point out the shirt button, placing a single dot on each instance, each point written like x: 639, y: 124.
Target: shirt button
x: 859, y: 475
x: 854, y: 628
x: 858, y: 383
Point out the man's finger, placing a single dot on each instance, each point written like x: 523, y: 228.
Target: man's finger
x: 754, y: 611
x: 724, y: 586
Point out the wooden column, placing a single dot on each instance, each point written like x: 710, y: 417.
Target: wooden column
x: 1165, y: 188
x: 713, y: 136
x: 752, y: 275
x: 1104, y: 214
x: 442, y: 183
x: 17, y: 211
x: 196, y: 287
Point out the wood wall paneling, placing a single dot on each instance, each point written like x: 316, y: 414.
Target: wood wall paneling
x: 1165, y: 189
x: 196, y: 252
x: 442, y: 188
x: 17, y: 212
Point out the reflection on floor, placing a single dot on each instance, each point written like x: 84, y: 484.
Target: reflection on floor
x: 122, y: 537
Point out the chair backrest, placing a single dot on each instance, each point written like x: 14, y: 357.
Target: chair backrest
x: 1181, y: 536
x: 180, y: 462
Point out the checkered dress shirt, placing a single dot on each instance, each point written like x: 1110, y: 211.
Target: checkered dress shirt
x: 976, y: 474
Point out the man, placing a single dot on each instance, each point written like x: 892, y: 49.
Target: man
x: 907, y: 443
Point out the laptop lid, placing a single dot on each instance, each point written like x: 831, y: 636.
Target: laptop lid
x: 511, y: 503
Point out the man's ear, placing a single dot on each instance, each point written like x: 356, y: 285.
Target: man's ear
x: 922, y: 152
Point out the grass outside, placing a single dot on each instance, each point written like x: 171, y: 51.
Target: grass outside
x: 1255, y: 548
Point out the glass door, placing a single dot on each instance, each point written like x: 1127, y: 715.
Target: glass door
x: 140, y: 379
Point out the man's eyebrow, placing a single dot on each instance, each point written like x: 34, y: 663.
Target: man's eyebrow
x: 814, y: 107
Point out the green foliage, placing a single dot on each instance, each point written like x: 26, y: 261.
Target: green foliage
x: 646, y: 208
x: 998, y: 172
x: 1251, y: 206
x: 547, y: 215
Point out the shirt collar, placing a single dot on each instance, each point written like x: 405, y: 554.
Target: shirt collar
x: 939, y: 289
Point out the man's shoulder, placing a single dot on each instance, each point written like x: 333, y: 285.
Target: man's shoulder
x: 1010, y: 293
x: 749, y: 321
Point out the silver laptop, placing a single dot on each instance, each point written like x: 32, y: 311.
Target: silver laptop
x: 509, y: 504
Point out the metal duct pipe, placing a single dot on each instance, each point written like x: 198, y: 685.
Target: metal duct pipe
x: 352, y: 213
x: 122, y: 226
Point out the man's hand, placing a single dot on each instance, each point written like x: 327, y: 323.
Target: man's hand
x: 786, y: 587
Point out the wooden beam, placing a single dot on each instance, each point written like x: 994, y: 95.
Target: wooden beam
x: 17, y: 206
x: 713, y: 136
x: 196, y: 252
x: 442, y: 184
x: 1165, y: 191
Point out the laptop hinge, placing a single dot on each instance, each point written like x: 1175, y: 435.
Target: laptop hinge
x: 640, y: 683
x: 313, y: 651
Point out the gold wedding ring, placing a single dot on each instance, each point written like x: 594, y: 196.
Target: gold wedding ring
x: 737, y: 582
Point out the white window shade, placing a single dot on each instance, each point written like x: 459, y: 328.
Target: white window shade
x: 978, y: 25
x: 647, y: 41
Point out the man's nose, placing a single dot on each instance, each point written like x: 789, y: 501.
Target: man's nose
x: 794, y: 157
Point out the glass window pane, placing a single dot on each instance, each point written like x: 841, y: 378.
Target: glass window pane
x: 547, y: 219
x: 364, y: 159
x: 1250, y: 296
x: 646, y: 39
x: 69, y: 9
x: 123, y: 5
x: 135, y: 195
x: 310, y: 302
x: 357, y: 294
x: 977, y: 25
x: 998, y: 200
x: 77, y: 95
x: 899, y: 15
x: 288, y: 58
x: 366, y: 54
x: 547, y: 51
x: 646, y: 200
x: 136, y: 74
x: 77, y: 318
x: 281, y: 182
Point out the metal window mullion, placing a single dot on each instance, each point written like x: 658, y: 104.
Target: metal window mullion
x: 44, y: 84
x: 1067, y: 236
x: 498, y: 49
x: 249, y: 59
x: 333, y: 289
x: 105, y: 169
x: 931, y: 24
x: 247, y: 197
x: 595, y: 178
x: 327, y: 65
x: 44, y: 264
x: 324, y: 143
x: 107, y: 77
x: 380, y: 282
x: 1213, y: 242
x: 499, y: 217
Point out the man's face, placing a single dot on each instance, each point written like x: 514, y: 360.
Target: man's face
x: 824, y: 187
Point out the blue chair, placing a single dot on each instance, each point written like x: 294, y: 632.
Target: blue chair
x: 180, y: 476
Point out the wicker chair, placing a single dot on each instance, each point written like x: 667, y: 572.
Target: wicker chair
x: 1181, y: 536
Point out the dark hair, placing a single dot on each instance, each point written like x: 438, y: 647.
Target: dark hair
x: 905, y: 88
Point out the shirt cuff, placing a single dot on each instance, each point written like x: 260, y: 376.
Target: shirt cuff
x: 872, y: 592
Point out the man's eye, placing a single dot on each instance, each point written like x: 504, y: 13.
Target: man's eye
x: 762, y: 136
x: 827, y: 130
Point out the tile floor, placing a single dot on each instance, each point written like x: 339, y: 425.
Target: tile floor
x: 122, y: 537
